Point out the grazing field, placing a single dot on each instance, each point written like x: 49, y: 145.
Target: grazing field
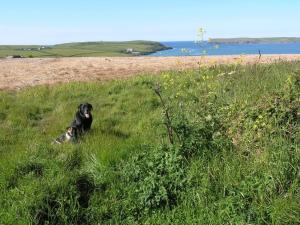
x: 82, y: 49
x: 19, y: 73
x: 210, y: 145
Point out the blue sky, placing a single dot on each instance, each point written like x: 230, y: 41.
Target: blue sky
x: 58, y: 21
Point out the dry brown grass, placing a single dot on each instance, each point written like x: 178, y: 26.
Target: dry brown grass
x: 18, y: 73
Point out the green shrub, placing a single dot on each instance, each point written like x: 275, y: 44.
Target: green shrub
x: 158, y: 178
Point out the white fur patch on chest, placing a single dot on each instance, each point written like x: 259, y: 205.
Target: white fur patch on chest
x: 68, y: 136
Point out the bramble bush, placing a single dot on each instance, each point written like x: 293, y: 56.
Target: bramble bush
x: 158, y: 175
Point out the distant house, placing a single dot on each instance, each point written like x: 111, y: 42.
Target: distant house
x: 135, y: 53
x: 129, y: 50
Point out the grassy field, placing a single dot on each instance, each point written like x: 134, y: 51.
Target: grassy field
x: 228, y: 153
x: 82, y: 49
x: 255, y: 40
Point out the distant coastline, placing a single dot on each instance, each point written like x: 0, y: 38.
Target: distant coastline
x: 82, y: 49
x: 270, y: 40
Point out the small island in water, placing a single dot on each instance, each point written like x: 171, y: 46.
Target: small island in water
x: 270, y: 40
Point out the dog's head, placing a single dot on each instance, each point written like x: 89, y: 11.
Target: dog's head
x: 85, y: 109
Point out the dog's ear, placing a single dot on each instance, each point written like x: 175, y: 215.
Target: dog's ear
x: 79, y: 107
x: 90, y: 105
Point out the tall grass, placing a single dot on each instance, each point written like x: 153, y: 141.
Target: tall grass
x: 235, y: 158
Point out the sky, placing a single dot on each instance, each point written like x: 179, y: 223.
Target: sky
x: 61, y: 21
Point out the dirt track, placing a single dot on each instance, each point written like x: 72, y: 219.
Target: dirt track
x: 18, y: 73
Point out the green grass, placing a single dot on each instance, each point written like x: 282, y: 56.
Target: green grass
x: 236, y: 159
x: 82, y: 49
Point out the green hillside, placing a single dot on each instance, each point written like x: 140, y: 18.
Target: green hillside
x: 83, y: 49
x: 215, y: 145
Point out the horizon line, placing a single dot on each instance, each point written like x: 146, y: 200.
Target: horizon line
x: 161, y: 41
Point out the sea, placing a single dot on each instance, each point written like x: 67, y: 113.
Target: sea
x: 190, y: 48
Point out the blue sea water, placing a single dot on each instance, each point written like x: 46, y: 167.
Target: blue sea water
x: 184, y: 48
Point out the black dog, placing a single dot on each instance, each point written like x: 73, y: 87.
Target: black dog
x: 83, y: 118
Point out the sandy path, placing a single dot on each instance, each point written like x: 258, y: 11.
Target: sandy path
x: 18, y: 73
